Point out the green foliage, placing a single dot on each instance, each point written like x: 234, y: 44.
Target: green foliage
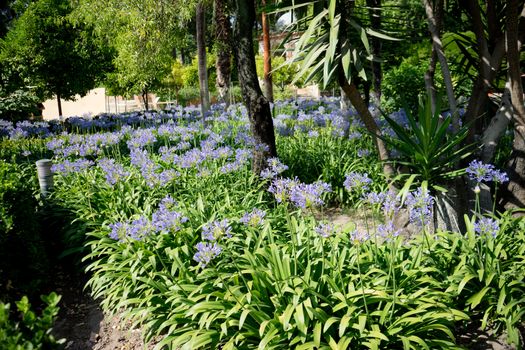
x: 47, y: 51
x: 404, y: 85
x: 487, y: 275
x: 279, y: 283
x: 333, y: 40
x: 142, y: 35
x: 283, y: 73
x: 30, y: 330
x: 427, y: 148
x: 18, y: 105
x: 23, y: 256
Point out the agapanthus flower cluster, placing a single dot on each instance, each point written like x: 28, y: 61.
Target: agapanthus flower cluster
x: 254, y: 218
x: 420, y: 206
x: 164, y: 220
x: 325, y: 230
x: 388, y: 230
x: 309, y: 195
x: 141, y: 138
x: 281, y: 188
x: 275, y: 167
x: 357, y: 182
x: 486, y: 226
x: 216, y: 230
x: 300, y: 194
x: 206, y: 252
x: 389, y: 201
x: 113, y: 171
x: 357, y: 236
x: 68, y: 166
x: 480, y: 172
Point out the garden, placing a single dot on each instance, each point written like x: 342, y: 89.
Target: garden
x: 177, y: 233
x: 356, y: 221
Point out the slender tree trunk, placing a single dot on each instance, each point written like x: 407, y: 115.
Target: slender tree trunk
x: 376, y: 45
x: 258, y: 106
x: 433, y: 27
x: 267, y: 56
x: 430, y: 85
x: 362, y: 109
x: 430, y: 74
x: 201, y: 56
x: 491, y: 51
x: 59, y: 102
x: 355, y: 98
x: 145, y: 99
x: 516, y: 185
x: 223, y: 44
x: 498, y: 125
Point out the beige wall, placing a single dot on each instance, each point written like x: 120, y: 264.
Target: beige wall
x: 93, y: 103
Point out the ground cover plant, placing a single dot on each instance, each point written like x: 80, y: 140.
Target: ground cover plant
x: 181, y: 237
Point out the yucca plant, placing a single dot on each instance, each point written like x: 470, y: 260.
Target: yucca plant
x: 427, y: 148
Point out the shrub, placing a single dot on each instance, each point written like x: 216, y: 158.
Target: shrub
x: 29, y: 331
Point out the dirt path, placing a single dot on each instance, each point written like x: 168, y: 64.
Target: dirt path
x: 83, y: 324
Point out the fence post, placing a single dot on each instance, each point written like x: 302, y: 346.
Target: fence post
x: 45, y: 175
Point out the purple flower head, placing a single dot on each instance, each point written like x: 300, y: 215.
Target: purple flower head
x: 254, y: 219
x: 165, y: 219
x: 387, y: 230
x: 359, y: 237
x: 486, y: 226
x: 281, y: 188
x: 141, y: 138
x: 206, y: 252
x: 355, y: 135
x: 309, y: 195
x: 68, y: 166
x: 420, y: 204
x: 363, y: 153
x: 355, y: 182
x: 140, y: 228
x: 500, y: 176
x: 375, y: 198
x: 479, y: 171
x: 313, y: 133
x: 325, y: 230
x: 118, y: 231
x: 275, y: 167
x: 216, y: 230
x: 112, y: 171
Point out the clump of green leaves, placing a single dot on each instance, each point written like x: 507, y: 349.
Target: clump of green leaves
x: 30, y: 330
x: 427, y: 147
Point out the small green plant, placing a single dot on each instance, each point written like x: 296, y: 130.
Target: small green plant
x: 29, y: 330
x: 427, y: 148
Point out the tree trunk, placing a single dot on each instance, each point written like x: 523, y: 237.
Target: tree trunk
x: 59, y: 102
x: 516, y: 171
x: 359, y: 104
x: 259, y: 112
x: 430, y: 85
x: 145, y: 99
x: 498, y: 125
x: 267, y: 56
x: 433, y: 27
x: 374, y: 9
x: 355, y: 98
x: 223, y: 44
x: 201, y: 56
